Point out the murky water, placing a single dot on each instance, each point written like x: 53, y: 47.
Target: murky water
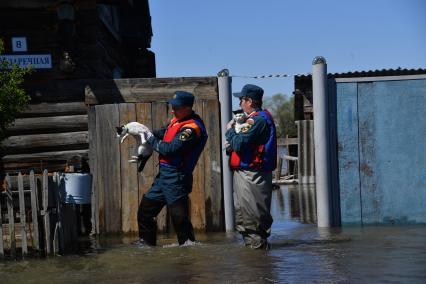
x: 300, y: 253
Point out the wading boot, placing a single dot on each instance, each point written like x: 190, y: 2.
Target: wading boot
x: 180, y: 220
x: 147, y: 222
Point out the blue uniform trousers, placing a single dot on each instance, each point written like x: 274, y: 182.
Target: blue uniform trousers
x: 171, y: 187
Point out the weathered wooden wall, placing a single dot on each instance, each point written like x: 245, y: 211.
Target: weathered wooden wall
x: 46, y: 136
x: 118, y: 187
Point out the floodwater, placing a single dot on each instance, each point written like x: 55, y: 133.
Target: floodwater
x: 300, y: 253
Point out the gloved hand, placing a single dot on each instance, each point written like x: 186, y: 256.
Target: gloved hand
x: 230, y: 124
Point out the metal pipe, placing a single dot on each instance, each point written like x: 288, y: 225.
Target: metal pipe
x: 321, y: 131
x: 225, y: 100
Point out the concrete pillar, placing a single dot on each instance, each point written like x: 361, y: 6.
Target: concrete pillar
x: 225, y: 100
x: 321, y: 132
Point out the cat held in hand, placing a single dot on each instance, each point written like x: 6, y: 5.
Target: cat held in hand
x: 240, y: 118
x: 137, y: 130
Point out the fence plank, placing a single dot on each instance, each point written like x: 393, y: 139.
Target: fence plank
x: 47, y: 240
x: 59, y: 236
x: 22, y: 215
x: 108, y: 149
x: 279, y: 168
x: 34, y: 211
x: 198, y: 213
x: 148, y: 90
x: 146, y: 177
x: 99, y: 169
x: 11, y: 214
x: 212, y: 168
x: 93, y: 161
x: 129, y: 182
x: 160, y: 119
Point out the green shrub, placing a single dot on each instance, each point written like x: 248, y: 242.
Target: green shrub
x: 13, y: 98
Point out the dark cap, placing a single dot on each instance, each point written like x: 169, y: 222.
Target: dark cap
x: 182, y: 98
x: 250, y: 91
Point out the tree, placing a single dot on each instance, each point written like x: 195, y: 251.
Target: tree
x: 13, y: 98
x: 282, y: 109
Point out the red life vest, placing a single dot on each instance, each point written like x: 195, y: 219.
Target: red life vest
x: 186, y: 161
x: 258, y: 157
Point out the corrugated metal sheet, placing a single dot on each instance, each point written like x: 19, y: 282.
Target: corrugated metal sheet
x: 369, y: 73
x: 303, y: 86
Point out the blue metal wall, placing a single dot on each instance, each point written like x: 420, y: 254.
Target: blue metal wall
x: 381, y: 133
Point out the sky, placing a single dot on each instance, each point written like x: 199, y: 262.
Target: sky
x: 255, y: 38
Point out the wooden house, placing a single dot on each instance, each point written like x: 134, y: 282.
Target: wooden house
x: 69, y: 43
x: 97, y: 72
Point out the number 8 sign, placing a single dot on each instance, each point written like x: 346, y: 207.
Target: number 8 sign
x: 19, y: 44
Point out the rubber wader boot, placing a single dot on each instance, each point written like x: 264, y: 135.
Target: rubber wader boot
x: 147, y: 222
x: 180, y: 220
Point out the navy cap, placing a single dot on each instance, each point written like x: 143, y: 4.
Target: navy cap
x: 250, y: 91
x: 182, y: 98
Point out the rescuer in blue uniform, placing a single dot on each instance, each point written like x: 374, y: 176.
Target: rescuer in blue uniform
x: 253, y: 158
x: 179, y: 146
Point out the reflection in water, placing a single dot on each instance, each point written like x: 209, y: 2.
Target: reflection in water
x: 295, y: 202
x: 300, y: 253
x: 307, y: 203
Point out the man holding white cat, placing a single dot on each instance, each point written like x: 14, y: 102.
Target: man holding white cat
x: 253, y: 158
x: 179, y: 146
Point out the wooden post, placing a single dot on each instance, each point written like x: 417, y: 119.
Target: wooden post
x: 34, y: 211
x: 278, y: 170
x: 11, y: 217
x: 287, y: 147
x: 129, y: 182
x: 93, y: 169
x: 58, y: 237
x: 60, y: 214
x: 46, y: 213
x: 22, y: 215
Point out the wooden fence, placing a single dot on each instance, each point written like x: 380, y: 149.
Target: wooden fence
x: 32, y: 216
x: 290, y: 162
x: 118, y: 187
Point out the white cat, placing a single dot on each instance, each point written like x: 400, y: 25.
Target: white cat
x: 138, y: 131
x: 240, y: 118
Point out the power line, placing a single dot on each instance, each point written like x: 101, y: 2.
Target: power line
x: 272, y: 76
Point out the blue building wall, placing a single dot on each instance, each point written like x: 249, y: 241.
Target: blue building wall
x: 381, y: 133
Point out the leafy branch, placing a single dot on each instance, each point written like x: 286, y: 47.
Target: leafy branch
x: 13, y: 98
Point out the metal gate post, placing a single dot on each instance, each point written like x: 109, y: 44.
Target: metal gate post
x: 225, y: 100
x: 321, y: 131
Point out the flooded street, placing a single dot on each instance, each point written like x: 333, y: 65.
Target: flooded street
x: 300, y: 253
